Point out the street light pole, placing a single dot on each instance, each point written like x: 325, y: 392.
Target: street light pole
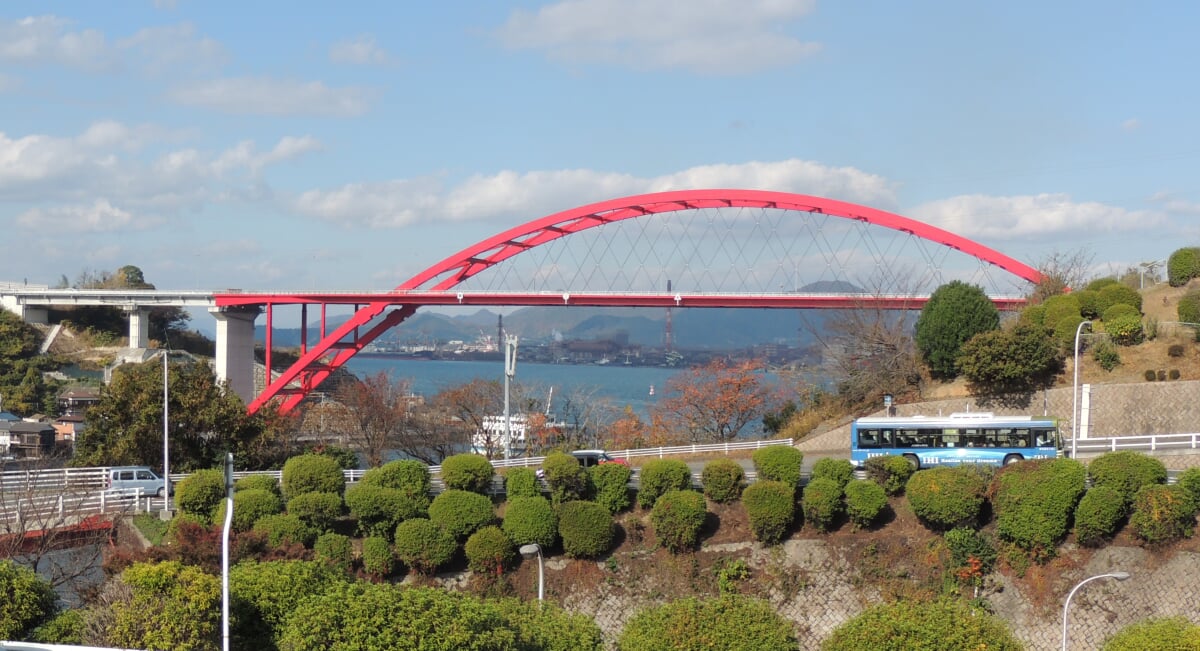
x: 166, y: 445
x: 529, y: 551
x: 1120, y: 576
x: 1075, y: 390
x: 510, y: 370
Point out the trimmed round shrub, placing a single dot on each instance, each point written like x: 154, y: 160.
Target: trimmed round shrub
x: 530, y: 520
x: 261, y: 482
x: 1119, y: 294
x: 1062, y: 308
x: 722, y: 479
x: 1189, y: 482
x: 284, y: 529
x: 936, y: 625
x: 407, y: 475
x: 771, y: 509
x: 779, y: 463
x: 200, y: 492
x: 567, y: 479
x: 822, y: 500
x: 889, y: 471
x: 1089, y: 303
x: 28, y: 600
x: 468, y: 472
x: 423, y: 545
x: 318, y: 510
x: 1126, y: 472
x: 1189, y: 308
x: 945, y: 497
x: 726, y: 622
x: 611, y: 481
x: 1162, y: 514
x: 546, y: 626
x: 335, y: 549
x: 521, y: 482
x: 1183, y: 265
x: 1098, y: 515
x: 489, y: 551
x: 661, y: 476
x: 249, y: 506
x: 677, y: 517
x: 312, y: 473
x: 1126, y: 329
x: 1033, y: 502
x: 865, y: 501
x: 586, y: 528
x: 1119, y: 310
x: 840, y: 471
x: 181, y: 520
x: 1163, y: 634
x: 378, y: 509
x: 461, y: 513
x: 378, y: 559
x: 265, y: 594
x: 66, y: 627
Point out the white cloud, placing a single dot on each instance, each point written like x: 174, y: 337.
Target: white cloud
x: 265, y: 96
x: 532, y: 194
x: 98, y: 217
x: 172, y: 47
x: 1003, y: 218
x: 1132, y: 124
x: 45, y: 39
x: 358, y: 51
x: 707, y: 36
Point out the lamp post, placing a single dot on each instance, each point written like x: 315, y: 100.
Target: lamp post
x: 166, y: 509
x: 1075, y: 390
x: 510, y: 370
x: 1120, y: 576
x: 529, y: 551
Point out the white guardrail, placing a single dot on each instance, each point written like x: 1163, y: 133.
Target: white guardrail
x: 1147, y: 443
x: 50, y: 511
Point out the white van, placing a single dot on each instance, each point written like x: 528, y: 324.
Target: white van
x: 129, y: 478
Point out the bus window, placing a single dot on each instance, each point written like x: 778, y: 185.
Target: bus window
x: 868, y: 438
x: 1045, y: 437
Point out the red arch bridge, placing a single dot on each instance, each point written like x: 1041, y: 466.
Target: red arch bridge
x: 681, y: 249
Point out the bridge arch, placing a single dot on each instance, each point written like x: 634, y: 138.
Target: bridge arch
x: 333, y: 351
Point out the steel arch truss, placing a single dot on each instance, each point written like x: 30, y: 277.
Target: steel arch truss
x: 372, y: 320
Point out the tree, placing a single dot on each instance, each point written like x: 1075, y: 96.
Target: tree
x: 955, y: 312
x: 23, y: 387
x: 1015, y: 360
x: 25, y: 600
x: 126, y: 427
x: 379, y: 411
x: 471, y: 404
x: 1060, y: 272
x: 714, y: 402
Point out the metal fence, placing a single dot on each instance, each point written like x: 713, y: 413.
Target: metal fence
x: 1149, y: 443
x: 48, y: 510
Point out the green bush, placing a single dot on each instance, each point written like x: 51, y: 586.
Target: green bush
x: 1189, y: 482
x: 1189, y: 309
x: 545, y: 626
x: 318, y: 510
x: 722, y: 479
x: 1118, y: 294
x: 1120, y: 310
x: 1089, y: 303
x: 489, y: 551
x: 1098, y: 515
x: 779, y: 463
x: 530, y: 520
x: 335, y: 549
x: 946, y: 624
x: 586, y: 528
x: 566, y: 478
x: 168, y: 605
x: 1106, y: 355
x: 1161, y: 634
x: 1062, y: 308
x: 379, y: 509
x: 771, y: 509
x: 1150, y: 375
x: 945, y: 497
x: 732, y: 622
x: 840, y: 471
x: 612, y: 486
x: 407, y: 475
x: 27, y: 600
x: 262, y: 595
x: 1183, y: 265
x: 423, y: 545
x: 67, y: 627
x: 284, y: 529
x: 468, y: 472
x: 1162, y: 514
x: 889, y: 471
x: 1034, y: 314
x: 521, y: 482
x: 822, y: 500
x: 1126, y: 329
x: 1126, y: 472
x: 678, y: 516
x: 966, y: 544
x: 249, y: 506
x: 865, y: 501
x: 660, y: 476
x: 261, y: 482
x: 1033, y: 503
x: 312, y: 473
x: 954, y: 313
x: 1098, y: 284
x: 200, y: 492
x: 378, y: 559
x: 183, y: 520
x: 461, y: 513
x: 1065, y: 329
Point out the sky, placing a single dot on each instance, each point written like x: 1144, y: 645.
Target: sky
x: 281, y: 145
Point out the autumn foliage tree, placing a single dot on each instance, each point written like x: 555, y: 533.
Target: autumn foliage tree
x: 714, y: 402
x: 378, y: 409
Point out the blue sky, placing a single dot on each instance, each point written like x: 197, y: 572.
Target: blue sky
x: 283, y: 145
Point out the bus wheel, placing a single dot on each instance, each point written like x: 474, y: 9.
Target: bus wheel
x: 913, y: 461
x: 1013, y: 458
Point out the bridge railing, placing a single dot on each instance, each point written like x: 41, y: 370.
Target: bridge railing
x: 43, y: 479
x: 48, y: 510
x: 1152, y: 443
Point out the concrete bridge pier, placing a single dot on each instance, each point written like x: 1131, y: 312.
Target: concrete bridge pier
x: 139, y: 327
x: 235, y: 348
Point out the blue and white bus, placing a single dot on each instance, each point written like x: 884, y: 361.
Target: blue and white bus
x: 979, y: 437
